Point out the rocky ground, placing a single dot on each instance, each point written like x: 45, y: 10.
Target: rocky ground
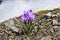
x: 46, y: 27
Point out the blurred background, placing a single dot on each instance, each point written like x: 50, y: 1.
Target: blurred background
x: 14, y: 8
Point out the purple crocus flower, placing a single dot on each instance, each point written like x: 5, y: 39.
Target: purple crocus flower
x: 28, y: 16
x: 31, y: 16
x: 25, y: 17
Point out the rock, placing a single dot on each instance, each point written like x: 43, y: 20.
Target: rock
x: 49, y: 14
x: 47, y: 24
x: 58, y: 14
x: 58, y: 31
x: 46, y: 38
x: 48, y: 20
x: 28, y: 38
x: 55, y: 14
x: 54, y: 22
x: 58, y: 18
x: 10, y: 23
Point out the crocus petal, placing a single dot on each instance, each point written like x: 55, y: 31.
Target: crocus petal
x: 32, y: 17
x: 30, y: 10
x: 24, y: 18
x: 29, y: 13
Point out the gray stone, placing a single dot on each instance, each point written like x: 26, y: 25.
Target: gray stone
x: 10, y: 23
x: 46, y: 38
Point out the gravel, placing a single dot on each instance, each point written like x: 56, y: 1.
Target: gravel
x: 44, y: 28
